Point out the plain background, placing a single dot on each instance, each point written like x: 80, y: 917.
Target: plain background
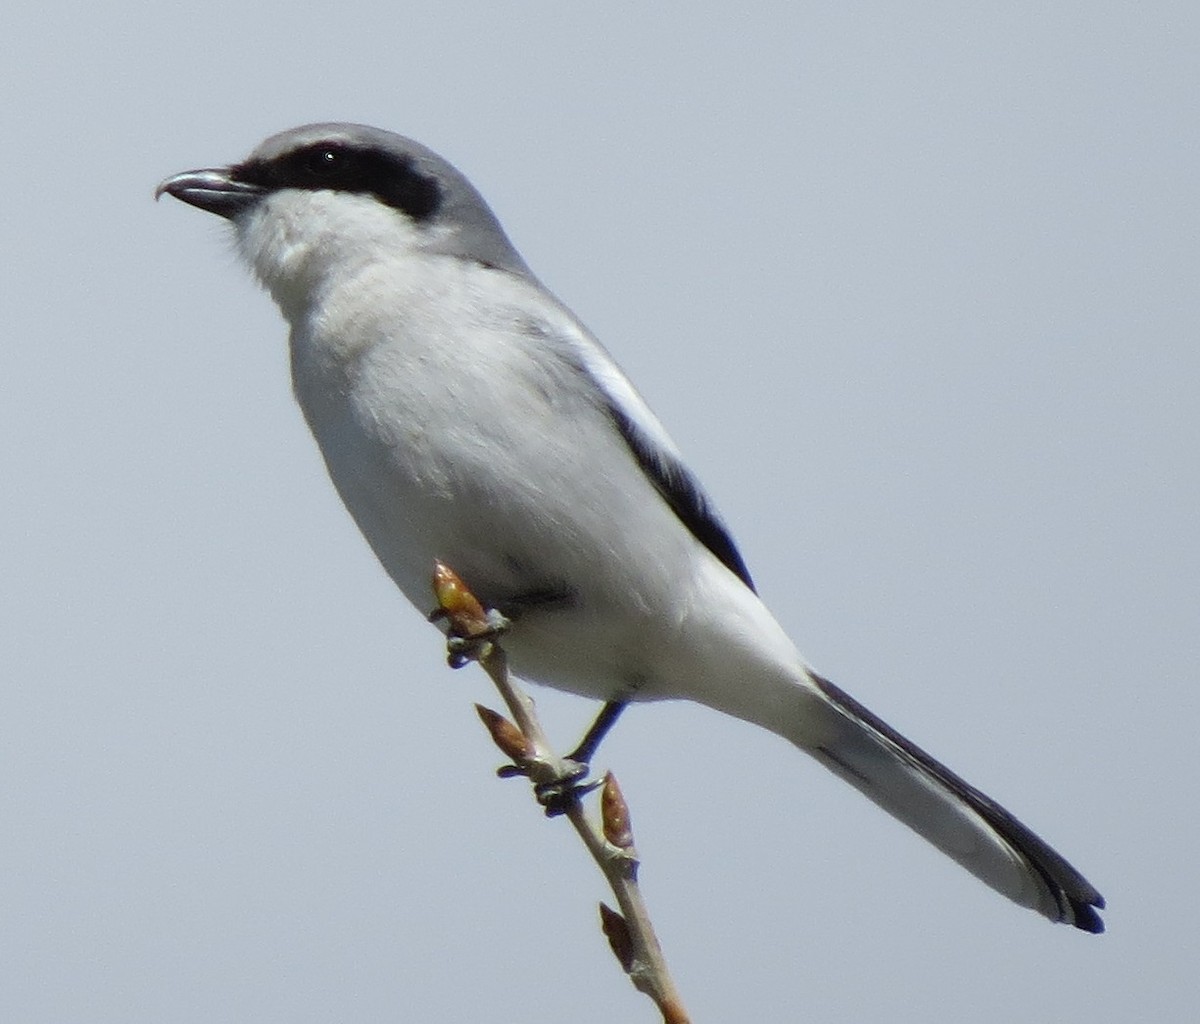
x: 913, y: 286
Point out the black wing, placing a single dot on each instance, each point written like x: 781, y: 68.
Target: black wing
x: 682, y: 492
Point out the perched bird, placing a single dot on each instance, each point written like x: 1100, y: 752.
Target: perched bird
x: 465, y: 415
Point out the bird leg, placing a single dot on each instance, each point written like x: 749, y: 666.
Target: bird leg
x: 558, y: 795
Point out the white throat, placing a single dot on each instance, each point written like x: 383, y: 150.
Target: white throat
x: 300, y: 244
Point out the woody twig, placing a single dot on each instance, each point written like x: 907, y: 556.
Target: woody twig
x: 474, y: 634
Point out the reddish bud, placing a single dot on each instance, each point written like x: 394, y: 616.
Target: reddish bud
x: 614, y: 814
x: 505, y: 735
x: 617, y: 933
x: 457, y: 603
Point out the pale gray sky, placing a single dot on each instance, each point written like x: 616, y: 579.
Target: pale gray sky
x: 913, y: 286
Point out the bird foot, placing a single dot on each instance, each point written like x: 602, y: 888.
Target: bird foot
x: 559, y: 794
x: 464, y: 647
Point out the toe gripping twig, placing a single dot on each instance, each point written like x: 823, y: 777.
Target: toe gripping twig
x: 473, y: 635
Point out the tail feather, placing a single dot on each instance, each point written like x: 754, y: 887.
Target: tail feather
x: 953, y: 815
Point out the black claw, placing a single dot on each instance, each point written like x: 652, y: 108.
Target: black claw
x: 557, y: 799
x: 560, y: 796
x: 462, y: 650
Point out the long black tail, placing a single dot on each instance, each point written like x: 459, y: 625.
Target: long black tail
x: 953, y: 815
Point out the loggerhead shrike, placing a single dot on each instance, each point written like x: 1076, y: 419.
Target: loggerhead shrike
x: 465, y: 415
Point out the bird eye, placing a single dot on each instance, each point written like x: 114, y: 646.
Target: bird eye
x: 324, y: 161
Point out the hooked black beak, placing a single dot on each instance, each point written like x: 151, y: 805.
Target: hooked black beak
x: 213, y: 189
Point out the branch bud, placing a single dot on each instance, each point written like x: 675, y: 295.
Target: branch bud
x: 617, y: 932
x: 614, y: 814
x: 505, y: 735
x: 457, y: 603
